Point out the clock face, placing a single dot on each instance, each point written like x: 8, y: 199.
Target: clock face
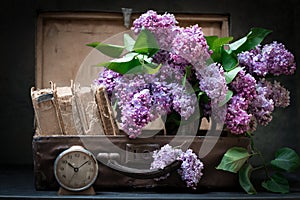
x: 76, y: 169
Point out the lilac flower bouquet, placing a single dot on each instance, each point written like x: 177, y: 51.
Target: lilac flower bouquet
x: 167, y: 69
x: 150, y: 81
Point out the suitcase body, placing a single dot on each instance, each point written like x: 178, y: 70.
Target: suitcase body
x: 47, y: 148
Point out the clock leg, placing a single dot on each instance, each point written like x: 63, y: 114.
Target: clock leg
x: 89, y: 191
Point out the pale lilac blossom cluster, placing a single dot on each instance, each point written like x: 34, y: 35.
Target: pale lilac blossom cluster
x: 160, y: 25
x: 183, y: 102
x: 191, y: 45
x: 212, y: 82
x: 191, y: 166
x: 165, y: 156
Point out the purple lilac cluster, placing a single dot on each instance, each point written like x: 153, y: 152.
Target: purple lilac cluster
x: 180, y: 47
x: 162, y: 99
x: 253, y: 103
x: 238, y: 119
x: 263, y: 96
x: 272, y: 59
x: 191, y: 166
x: 262, y: 107
x: 183, y: 102
x: 212, y: 82
x: 191, y: 45
x: 268, y: 96
x: 280, y: 95
x: 160, y: 25
x: 142, y: 98
x: 164, y: 156
x: 139, y: 109
x: 244, y: 85
x: 108, y: 79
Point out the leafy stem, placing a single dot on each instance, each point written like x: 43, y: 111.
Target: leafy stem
x: 264, y: 163
x: 236, y: 160
x: 255, y: 151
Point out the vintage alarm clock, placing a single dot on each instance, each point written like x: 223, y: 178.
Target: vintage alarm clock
x: 76, y: 169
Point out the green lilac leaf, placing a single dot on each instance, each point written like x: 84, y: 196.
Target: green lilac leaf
x: 254, y: 38
x: 146, y: 65
x: 188, y: 71
x: 150, y: 68
x: 215, y: 44
x: 228, y: 96
x: 277, y: 183
x: 229, y: 60
x: 127, y: 58
x: 234, y: 159
x: 110, y: 50
x: 286, y: 159
x: 128, y: 42
x: 184, y: 80
x: 210, y: 41
x: 244, y: 178
x: 123, y: 65
x: 230, y: 75
x: 146, y: 43
x: 237, y: 44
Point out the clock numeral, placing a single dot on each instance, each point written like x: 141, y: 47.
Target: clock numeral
x: 77, y: 155
x: 90, y: 162
x: 84, y: 157
x: 64, y: 176
x: 89, y: 177
x: 64, y: 161
x: 70, y: 156
x: 91, y: 170
x: 62, y: 169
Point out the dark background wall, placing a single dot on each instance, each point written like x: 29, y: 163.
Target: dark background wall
x: 17, y: 53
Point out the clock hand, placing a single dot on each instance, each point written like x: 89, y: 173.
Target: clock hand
x: 70, y: 165
x: 75, y: 168
x: 83, y: 164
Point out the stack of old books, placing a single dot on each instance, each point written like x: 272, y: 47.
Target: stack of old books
x: 73, y: 110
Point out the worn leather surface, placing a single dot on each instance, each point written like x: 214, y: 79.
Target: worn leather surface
x: 47, y: 148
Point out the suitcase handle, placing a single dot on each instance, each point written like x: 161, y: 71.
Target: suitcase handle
x: 143, y: 173
x: 111, y: 160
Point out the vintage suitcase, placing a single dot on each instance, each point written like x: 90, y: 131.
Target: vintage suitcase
x: 126, y: 171
x: 129, y: 167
